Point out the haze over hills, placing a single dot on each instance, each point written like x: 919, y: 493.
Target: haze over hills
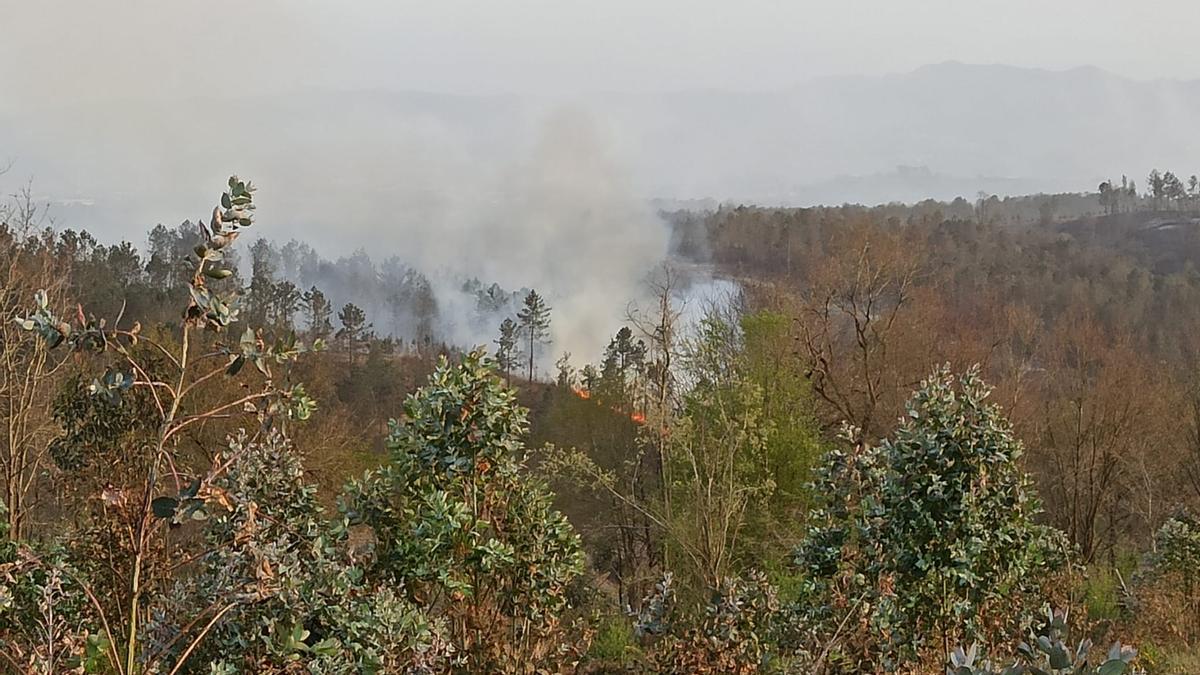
x: 965, y: 127
x: 360, y: 158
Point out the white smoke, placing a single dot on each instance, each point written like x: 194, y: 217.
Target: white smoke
x: 550, y: 206
x: 565, y: 222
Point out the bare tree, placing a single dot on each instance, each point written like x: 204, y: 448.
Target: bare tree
x: 1100, y: 431
x: 27, y: 375
x: 846, y: 324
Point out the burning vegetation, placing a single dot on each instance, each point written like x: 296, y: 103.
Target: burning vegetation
x: 635, y: 416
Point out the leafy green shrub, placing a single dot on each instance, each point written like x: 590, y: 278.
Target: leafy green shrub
x: 463, y: 530
x: 1177, y: 547
x: 927, y: 538
x: 734, y: 634
x: 94, y: 427
x: 281, y: 585
x: 614, y: 643
x: 1169, y: 581
x: 1102, y: 594
x: 1048, y: 652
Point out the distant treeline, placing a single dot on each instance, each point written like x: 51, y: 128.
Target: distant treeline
x: 285, y: 287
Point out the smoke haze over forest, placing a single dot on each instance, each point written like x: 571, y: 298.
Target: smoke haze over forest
x: 524, y: 145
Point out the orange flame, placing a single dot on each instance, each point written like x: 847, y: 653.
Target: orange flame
x: 637, y: 417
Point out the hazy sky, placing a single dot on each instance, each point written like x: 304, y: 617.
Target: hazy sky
x: 53, y: 51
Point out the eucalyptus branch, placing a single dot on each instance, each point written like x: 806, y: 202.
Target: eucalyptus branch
x: 162, y: 650
x: 191, y: 647
x: 204, y: 378
x: 136, y: 336
x: 199, y: 417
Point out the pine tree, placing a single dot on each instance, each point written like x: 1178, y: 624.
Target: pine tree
x: 319, y: 313
x: 1157, y: 185
x: 534, y: 319
x: 354, y: 326
x: 262, y: 283
x: 285, y: 300
x: 508, y: 349
x: 1173, y: 187
x: 566, y: 372
x: 622, y: 357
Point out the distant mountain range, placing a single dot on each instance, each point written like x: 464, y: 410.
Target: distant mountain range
x: 963, y: 127
x: 366, y: 157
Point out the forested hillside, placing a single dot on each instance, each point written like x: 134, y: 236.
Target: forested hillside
x: 944, y: 437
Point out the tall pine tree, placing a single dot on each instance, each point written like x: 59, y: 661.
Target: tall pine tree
x: 534, y: 319
x: 319, y: 313
x: 508, y: 348
x: 354, y: 327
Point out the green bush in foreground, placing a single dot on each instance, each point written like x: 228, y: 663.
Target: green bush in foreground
x: 465, y: 532
x: 928, y: 538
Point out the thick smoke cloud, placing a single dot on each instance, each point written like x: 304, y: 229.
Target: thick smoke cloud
x: 565, y: 222
x: 551, y: 207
